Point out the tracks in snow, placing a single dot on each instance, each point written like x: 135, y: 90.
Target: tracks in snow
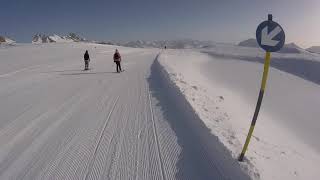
x: 155, y: 133
x: 97, y: 125
x: 99, y: 141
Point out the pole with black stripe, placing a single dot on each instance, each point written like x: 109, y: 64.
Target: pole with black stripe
x: 256, y: 112
x: 270, y: 37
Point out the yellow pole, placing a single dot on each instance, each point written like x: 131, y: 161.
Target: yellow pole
x: 256, y: 113
x: 266, y: 71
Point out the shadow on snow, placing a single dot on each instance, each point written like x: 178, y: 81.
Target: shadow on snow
x: 202, y: 155
x: 305, y: 69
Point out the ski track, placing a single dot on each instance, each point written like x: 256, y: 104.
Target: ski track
x: 59, y: 122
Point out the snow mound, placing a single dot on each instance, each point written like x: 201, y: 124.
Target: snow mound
x: 42, y: 38
x: 314, y: 49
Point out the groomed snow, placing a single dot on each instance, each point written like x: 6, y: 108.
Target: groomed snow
x: 223, y: 92
x: 60, y: 122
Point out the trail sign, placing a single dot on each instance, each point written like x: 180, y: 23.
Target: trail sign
x: 270, y: 36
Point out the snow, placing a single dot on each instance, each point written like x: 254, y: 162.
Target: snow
x: 223, y: 91
x: 174, y: 114
x: 6, y: 41
x: 60, y: 122
x: 59, y: 39
x: 9, y: 41
x: 42, y: 38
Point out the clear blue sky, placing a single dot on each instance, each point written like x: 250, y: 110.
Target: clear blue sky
x: 218, y: 20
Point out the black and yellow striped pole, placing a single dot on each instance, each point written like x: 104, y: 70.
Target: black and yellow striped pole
x: 256, y: 112
x: 270, y: 37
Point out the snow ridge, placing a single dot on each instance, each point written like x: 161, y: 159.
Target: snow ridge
x: 220, y: 163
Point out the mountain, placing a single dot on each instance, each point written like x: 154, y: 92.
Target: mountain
x: 249, y: 43
x: 42, y: 38
x: 314, y: 49
x: 287, y: 48
x: 171, y: 44
x: 5, y: 40
x: 292, y: 48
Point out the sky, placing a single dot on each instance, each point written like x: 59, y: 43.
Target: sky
x: 227, y: 21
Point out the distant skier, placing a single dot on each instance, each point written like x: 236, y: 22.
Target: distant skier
x: 86, y: 60
x: 117, y: 60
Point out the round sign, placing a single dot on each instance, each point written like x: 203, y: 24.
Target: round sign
x: 270, y: 36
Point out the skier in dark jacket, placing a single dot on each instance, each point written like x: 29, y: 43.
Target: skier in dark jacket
x: 117, y: 60
x: 86, y: 60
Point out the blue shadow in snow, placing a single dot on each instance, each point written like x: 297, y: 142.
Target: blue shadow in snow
x: 305, y: 69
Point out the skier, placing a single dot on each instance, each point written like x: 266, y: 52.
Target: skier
x: 117, y: 60
x: 86, y: 60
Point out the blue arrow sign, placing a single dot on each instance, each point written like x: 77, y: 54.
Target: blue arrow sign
x: 270, y: 36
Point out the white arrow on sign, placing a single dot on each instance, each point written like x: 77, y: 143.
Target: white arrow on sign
x: 266, y: 39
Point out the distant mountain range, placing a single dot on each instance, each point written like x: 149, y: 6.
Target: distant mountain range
x: 170, y: 44
x: 287, y: 48
x: 314, y: 49
x: 6, y: 40
x: 42, y: 38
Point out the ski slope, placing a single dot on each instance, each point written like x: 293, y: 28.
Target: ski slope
x: 59, y: 122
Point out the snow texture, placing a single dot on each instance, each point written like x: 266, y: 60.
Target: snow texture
x: 60, y: 122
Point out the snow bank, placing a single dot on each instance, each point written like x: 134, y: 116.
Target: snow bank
x: 197, y: 137
x: 223, y: 94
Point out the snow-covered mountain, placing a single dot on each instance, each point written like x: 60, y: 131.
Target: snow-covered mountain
x: 314, y: 49
x: 292, y: 48
x: 42, y: 38
x: 287, y: 48
x: 5, y: 40
x: 249, y: 43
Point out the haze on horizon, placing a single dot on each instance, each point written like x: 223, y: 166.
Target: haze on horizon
x: 228, y: 21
